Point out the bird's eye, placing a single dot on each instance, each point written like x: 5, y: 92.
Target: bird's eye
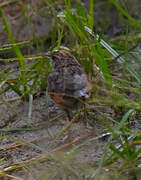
x: 55, y: 56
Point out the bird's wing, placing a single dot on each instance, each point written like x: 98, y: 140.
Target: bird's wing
x: 66, y: 82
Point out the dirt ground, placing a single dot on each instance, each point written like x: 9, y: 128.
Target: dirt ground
x: 33, y: 143
x: 24, y: 139
x: 22, y: 145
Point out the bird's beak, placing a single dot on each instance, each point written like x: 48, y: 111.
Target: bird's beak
x: 46, y: 55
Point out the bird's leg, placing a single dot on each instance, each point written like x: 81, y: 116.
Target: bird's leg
x: 69, y: 130
x: 85, y: 115
x: 68, y: 114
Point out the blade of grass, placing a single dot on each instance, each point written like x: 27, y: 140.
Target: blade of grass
x: 68, y: 4
x: 100, y: 61
x: 115, y: 55
x: 106, y: 147
x: 91, y: 14
x: 60, y: 37
x: 30, y: 106
x: 15, y: 88
x: 15, y: 49
x: 80, y: 10
x: 76, y: 25
x: 126, y: 14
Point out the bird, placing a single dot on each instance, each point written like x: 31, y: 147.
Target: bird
x: 67, y: 83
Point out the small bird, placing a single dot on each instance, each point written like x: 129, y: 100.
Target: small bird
x: 67, y: 83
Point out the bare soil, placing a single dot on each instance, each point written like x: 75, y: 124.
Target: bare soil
x: 32, y: 143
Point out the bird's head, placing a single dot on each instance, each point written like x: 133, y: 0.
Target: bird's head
x: 60, y: 58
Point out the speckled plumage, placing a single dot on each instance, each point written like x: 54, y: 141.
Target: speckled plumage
x: 67, y: 82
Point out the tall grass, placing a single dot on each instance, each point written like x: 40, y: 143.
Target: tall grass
x: 74, y: 29
x: 81, y: 23
x: 16, y: 49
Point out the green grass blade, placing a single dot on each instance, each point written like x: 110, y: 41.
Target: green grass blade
x: 100, y: 61
x: 80, y: 10
x: 60, y: 38
x: 126, y: 14
x: 91, y: 14
x: 76, y: 25
x: 15, y: 89
x: 16, y: 49
x: 68, y: 4
x: 125, y: 118
x: 120, y: 59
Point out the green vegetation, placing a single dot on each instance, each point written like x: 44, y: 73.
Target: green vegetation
x: 113, y: 67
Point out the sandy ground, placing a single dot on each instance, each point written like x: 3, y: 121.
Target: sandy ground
x: 24, y: 145
x: 32, y: 142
